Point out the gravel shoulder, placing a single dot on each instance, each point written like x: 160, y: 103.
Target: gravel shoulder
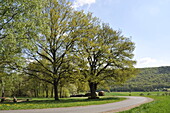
x: 130, y: 102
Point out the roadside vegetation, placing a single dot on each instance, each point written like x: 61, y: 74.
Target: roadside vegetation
x: 160, y: 104
x: 40, y: 103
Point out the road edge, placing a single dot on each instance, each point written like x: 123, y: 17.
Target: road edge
x: 130, y: 107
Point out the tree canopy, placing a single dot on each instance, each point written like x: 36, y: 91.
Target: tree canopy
x: 17, y: 19
x: 105, y: 54
x: 52, y: 42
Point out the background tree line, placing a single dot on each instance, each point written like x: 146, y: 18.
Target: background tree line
x: 149, y: 79
x: 47, y: 46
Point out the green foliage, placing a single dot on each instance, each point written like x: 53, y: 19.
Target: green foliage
x: 18, y: 19
x: 104, y: 55
x: 149, y: 79
x: 52, y: 42
x: 60, y: 30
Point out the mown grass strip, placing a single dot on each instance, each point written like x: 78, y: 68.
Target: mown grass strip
x: 161, y: 103
x: 41, y: 103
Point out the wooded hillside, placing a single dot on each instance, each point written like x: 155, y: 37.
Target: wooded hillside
x: 148, y: 79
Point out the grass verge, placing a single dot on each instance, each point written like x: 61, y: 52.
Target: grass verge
x: 41, y: 103
x: 161, y: 103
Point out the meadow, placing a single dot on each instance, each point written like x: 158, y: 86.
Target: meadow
x: 161, y: 103
x: 40, y: 103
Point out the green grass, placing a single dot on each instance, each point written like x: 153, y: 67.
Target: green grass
x: 161, y: 104
x: 40, y: 103
x: 133, y: 93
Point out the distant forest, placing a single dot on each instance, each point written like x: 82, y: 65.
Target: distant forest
x: 148, y: 79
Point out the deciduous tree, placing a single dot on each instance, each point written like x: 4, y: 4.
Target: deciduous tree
x: 61, y: 28
x: 105, y: 54
x: 17, y: 18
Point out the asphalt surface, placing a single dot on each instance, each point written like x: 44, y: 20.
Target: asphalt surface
x: 130, y: 102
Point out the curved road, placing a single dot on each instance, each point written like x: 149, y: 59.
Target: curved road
x: 130, y: 102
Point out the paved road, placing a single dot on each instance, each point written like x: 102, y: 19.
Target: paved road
x: 129, y: 103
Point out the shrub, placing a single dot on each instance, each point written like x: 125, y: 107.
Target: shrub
x: 149, y: 94
x: 141, y: 94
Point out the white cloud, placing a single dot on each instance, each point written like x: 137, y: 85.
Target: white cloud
x: 80, y: 3
x: 151, y: 62
x: 146, y: 60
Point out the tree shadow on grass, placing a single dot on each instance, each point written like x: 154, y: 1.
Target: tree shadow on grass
x: 66, y: 100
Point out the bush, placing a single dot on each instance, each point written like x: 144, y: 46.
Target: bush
x: 149, y: 94
x: 141, y: 94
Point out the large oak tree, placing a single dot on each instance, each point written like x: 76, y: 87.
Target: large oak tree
x: 52, y: 52
x: 105, y: 55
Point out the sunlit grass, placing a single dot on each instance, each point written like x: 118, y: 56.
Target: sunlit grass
x: 161, y: 103
x: 40, y: 103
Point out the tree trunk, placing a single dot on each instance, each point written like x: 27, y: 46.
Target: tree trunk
x: 35, y: 93
x: 19, y: 90
x: 56, y: 90
x: 3, y: 92
x: 46, y: 90
x: 3, y: 88
x: 52, y: 91
x: 93, y: 88
x: 60, y: 92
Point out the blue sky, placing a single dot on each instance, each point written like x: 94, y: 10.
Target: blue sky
x: 146, y: 21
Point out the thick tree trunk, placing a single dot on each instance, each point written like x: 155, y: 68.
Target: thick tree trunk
x: 93, y: 88
x: 56, y: 90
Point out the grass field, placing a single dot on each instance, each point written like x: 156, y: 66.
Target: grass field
x: 40, y: 103
x: 161, y: 103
